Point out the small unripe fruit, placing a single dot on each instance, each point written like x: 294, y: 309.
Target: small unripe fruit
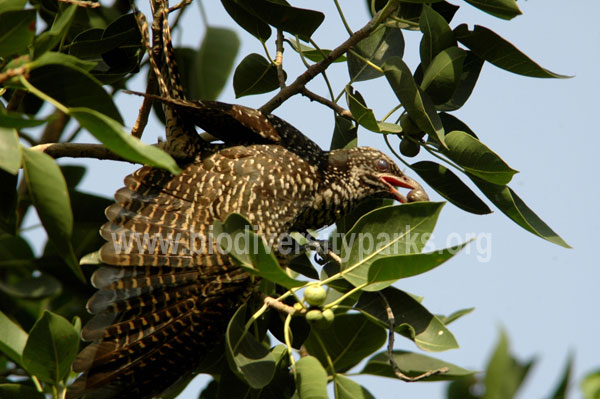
x: 409, y: 148
x: 314, y: 316
x: 328, y: 317
x: 315, y: 295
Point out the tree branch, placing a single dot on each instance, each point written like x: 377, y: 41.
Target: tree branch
x: 315, y: 97
x: 300, y: 82
x: 78, y: 150
x: 279, y: 58
x: 390, y: 349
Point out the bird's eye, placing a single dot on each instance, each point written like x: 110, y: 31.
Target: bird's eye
x: 382, y: 164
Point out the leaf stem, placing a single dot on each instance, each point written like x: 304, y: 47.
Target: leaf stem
x: 288, y: 339
x: 339, y: 9
x: 346, y: 295
x: 32, y: 89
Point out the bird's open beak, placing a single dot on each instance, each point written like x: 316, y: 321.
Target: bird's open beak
x: 416, y: 192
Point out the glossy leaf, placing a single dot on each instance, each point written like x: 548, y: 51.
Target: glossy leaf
x: 413, y: 321
x: 505, y: 9
x: 74, y: 87
x: 297, y: 21
x: 247, y: 20
x: 52, y: 57
x: 437, y: 36
x: 12, y: 339
x: 496, y: 50
x: 49, y: 194
x: 365, y: 117
x: 349, y: 339
x: 417, y: 104
x: 513, y: 206
x: 455, y: 316
x: 344, y: 133
x: 412, y: 364
x: 391, y: 230
x: 442, y: 77
x: 477, y: 159
x: 19, y: 391
x: 471, y: 69
x: 445, y: 9
x: 17, y: 28
x: 254, y: 75
x: 51, y: 347
x: 48, y: 40
x: 345, y: 388
x: 12, y: 5
x: 311, y: 379
x: 504, y: 374
x: 452, y: 123
x: 379, y: 46
x: 10, y: 150
x: 387, y: 270
x: 112, y: 135
x: 253, y: 362
x: 213, y: 62
x: 236, y: 237
x: 449, y: 186
x: 312, y: 53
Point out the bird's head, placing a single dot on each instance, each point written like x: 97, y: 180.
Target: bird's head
x: 372, y: 174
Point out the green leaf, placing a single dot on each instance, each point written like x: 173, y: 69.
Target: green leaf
x: 251, y: 360
x: 51, y: 348
x: 10, y: 149
x: 387, y: 270
x: 413, y: 321
x: 74, y: 87
x: 311, y: 379
x: 49, y: 194
x: 213, y: 62
x: 8, y: 204
x: 471, y: 69
x: 12, y: 5
x: 62, y: 22
x: 417, y: 104
x: 247, y: 20
x: 513, y: 206
x: 12, y: 339
x: 20, y: 391
x: 504, y: 374
x: 31, y: 287
x: 17, y: 121
x: 365, y: 116
x: 312, y: 53
x: 412, y: 364
x: 442, y: 77
x: 344, y: 133
x: 17, y: 28
x: 477, y: 159
x: 112, y: 135
x: 491, y: 47
x: 591, y: 385
x: 254, y: 75
x: 455, y: 316
x: 345, y: 388
x: 437, y: 35
x: 391, y: 230
x: 348, y: 340
x: 235, y: 236
x: 561, y: 390
x: 505, y: 9
x: 449, y: 186
x: 297, y: 21
x: 378, y: 47
x: 52, y: 57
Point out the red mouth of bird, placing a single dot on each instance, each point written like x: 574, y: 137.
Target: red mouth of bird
x: 416, y: 191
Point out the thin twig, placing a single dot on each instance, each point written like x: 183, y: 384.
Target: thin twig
x: 78, y: 150
x: 281, y: 307
x: 15, y: 100
x: 182, y: 4
x: 28, y: 138
x: 279, y: 58
x: 300, y: 82
x: 82, y: 3
x: 390, y: 349
x: 315, y: 97
x: 12, y: 73
x: 144, y: 112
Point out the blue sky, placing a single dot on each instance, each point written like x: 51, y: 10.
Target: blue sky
x: 545, y: 296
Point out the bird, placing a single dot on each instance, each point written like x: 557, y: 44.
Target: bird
x: 159, y: 307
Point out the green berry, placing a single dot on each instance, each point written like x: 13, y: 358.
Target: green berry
x: 314, y: 316
x: 315, y: 295
x: 409, y: 148
x: 328, y: 317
